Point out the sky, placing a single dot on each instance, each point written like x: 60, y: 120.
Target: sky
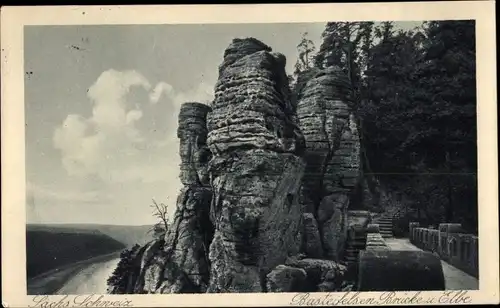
x: 101, y: 106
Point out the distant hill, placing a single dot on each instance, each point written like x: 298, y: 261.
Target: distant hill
x: 128, y: 235
x: 52, y: 248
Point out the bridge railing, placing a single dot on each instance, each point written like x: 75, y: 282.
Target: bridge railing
x: 450, y: 243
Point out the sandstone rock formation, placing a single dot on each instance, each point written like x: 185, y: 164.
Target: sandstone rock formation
x: 179, y: 263
x: 332, y: 154
x: 266, y: 183
x: 256, y: 169
x: 311, y: 237
x: 192, y: 133
x: 188, y: 239
x: 286, y: 279
x: 322, y: 275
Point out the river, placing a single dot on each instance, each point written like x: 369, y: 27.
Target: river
x: 91, y: 279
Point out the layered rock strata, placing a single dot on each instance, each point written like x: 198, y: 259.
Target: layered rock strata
x: 189, y: 237
x: 332, y: 154
x: 179, y: 262
x: 321, y: 275
x: 256, y: 169
x: 192, y: 133
x: 242, y: 222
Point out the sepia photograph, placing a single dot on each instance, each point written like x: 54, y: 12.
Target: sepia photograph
x: 251, y: 157
x: 301, y: 158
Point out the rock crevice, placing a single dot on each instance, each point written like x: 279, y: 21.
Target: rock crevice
x: 332, y: 154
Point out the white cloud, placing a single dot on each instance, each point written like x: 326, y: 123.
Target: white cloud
x: 161, y: 87
x: 88, y: 144
x: 110, y: 144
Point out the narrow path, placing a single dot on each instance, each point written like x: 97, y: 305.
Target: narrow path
x: 455, y: 279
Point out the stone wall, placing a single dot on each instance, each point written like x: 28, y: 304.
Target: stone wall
x: 459, y: 249
x: 386, y: 270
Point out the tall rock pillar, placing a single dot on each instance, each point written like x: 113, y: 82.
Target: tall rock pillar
x: 332, y: 154
x: 256, y: 168
x: 190, y: 235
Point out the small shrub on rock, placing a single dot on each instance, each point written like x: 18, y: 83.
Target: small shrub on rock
x: 118, y: 281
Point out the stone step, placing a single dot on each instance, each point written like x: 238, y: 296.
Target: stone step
x: 356, y: 240
x: 352, y: 252
x: 356, y: 246
x: 376, y: 244
x: 360, y: 242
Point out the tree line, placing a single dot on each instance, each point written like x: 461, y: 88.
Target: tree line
x: 415, y: 97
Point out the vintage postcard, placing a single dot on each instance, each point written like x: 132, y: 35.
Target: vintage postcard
x: 249, y: 155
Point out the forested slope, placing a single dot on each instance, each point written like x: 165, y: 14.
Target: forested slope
x: 415, y: 95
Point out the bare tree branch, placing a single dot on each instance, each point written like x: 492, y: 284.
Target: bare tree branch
x: 160, y: 211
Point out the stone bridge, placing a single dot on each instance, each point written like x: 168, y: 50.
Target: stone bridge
x: 456, y: 252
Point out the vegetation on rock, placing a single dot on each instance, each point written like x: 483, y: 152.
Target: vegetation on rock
x: 415, y: 99
x: 118, y: 282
